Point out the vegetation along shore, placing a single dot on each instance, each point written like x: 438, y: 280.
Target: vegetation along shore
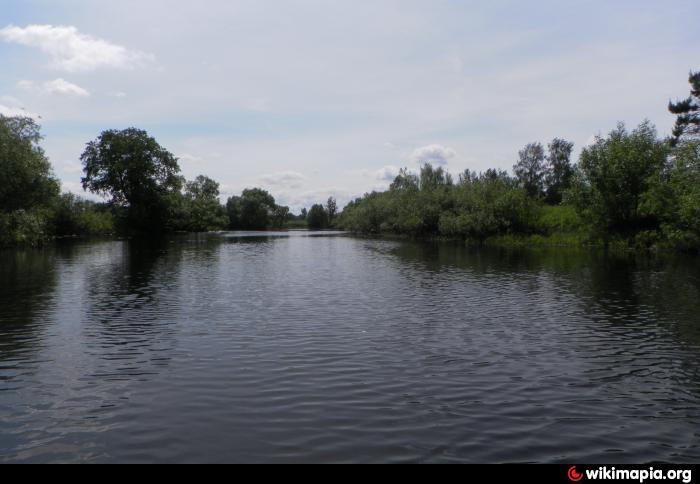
x: 630, y: 189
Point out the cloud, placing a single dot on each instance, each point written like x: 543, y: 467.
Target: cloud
x: 72, y: 51
x: 435, y: 154
x: 387, y: 173
x: 72, y: 168
x: 11, y: 111
x: 287, y: 179
x: 58, y: 86
x: 188, y: 158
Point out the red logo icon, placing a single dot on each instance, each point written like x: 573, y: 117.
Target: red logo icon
x: 574, y: 475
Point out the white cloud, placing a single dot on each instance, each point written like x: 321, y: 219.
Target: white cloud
x: 58, y: 86
x: 387, y: 173
x: 435, y: 154
x: 72, y: 168
x: 188, y: 158
x: 12, y: 111
x: 73, y: 51
x: 287, y: 179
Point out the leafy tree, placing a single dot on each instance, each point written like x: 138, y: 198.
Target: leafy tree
x: 317, y: 218
x: 203, y: 212
x: 687, y: 111
x: 304, y: 213
x: 136, y: 172
x: 26, y: 178
x: 615, y: 175
x: 559, y: 171
x: 74, y: 216
x: 530, y: 170
x: 256, y: 207
x: 331, y: 210
x: 27, y: 185
x: 280, y: 216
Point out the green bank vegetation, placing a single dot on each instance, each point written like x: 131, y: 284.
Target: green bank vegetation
x: 628, y: 189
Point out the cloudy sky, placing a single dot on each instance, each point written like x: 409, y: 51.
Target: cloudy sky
x: 311, y: 98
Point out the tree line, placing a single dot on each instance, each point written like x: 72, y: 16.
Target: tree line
x: 629, y: 188
x: 141, y: 183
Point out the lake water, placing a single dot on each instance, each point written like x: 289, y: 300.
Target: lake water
x: 306, y: 347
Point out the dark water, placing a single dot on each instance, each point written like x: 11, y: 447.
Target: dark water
x: 337, y: 349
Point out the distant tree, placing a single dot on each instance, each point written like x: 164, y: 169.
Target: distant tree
x: 331, y: 210
x: 559, y: 171
x: 530, y: 169
x: 136, y: 172
x: 432, y: 178
x: 304, y: 213
x: 687, y: 111
x: 317, y: 218
x: 203, y: 211
x: 280, y: 216
x: 615, y: 175
x: 233, y: 210
x: 405, y: 180
x: 256, y: 209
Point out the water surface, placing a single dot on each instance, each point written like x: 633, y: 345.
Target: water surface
x: 317, y: 347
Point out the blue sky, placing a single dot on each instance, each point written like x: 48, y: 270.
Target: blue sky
x: 311, y: 98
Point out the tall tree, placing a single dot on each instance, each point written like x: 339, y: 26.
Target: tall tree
x: 136, y: 172
x: 317, y: 218
x: 256, y: 209
x: 687, y: 111
x: 615, y: 174
x: 559, y: 171
x: 203, y: 212
x: 530, y: 169
x: 27, y: 184
x: 26, y: 178
x: 331, y: 209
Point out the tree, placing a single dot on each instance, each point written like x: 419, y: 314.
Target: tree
x: 304, y: 213
x: 280, y: 216
x: 530, y: 169
x: 26, y: 178
x: 317, y: 218
x: 136, y: 172
x: 28, y: 187
x: 687, y: 111
x: 203, y: 212
x: 615, y: 174
x: 233, y: 210
x: 559, y: 171
x: 256, y: 209
x: 331, y: 209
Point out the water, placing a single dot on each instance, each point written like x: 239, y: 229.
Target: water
x: 327, y: 348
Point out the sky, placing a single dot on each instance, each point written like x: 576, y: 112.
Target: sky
x: 318, y: 98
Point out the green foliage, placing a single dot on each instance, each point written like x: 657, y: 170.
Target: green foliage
x: 27, y: 185
x: 26, y: 179
x: 137, y: 173
x: 73, y: 216
x: 614, y: 178
x: 430, y: 204
x: 331, y: 210
x: 530, y: 169
x: 318, y: 218
x: 24, y: 227
x: 559, y: 172
x: 255, y: 209
x: 199, y: 209
x: 687, y: 111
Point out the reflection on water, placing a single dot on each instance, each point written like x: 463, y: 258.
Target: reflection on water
x: 296, y: 347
